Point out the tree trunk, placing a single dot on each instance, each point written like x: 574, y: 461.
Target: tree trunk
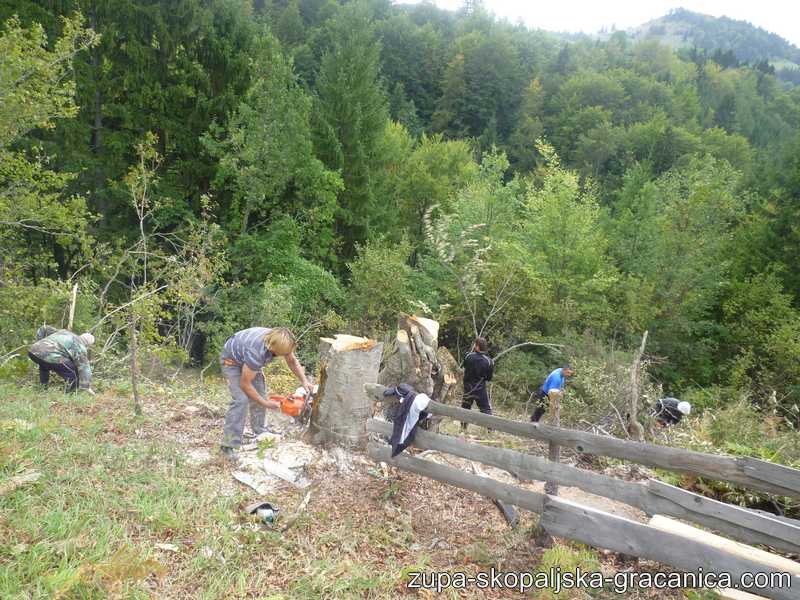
x: 415, y: 358
x: 635, y: 429
x: 342, y: 407
x: 137, y: 404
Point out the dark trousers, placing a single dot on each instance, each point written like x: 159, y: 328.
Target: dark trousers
x: 542, y: 402
x: 479, y: 396
x: 66, y: 370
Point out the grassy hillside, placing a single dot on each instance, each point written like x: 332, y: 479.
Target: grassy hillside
x: 748, y: 43
x: 141, y: 507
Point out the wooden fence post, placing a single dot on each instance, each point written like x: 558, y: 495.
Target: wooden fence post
x: 551, y: 486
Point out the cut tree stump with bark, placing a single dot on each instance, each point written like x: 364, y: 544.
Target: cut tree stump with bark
x: 415, y: 358
x: 341, y: 407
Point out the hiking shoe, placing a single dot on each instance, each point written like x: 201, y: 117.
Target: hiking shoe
x: 229, y: 454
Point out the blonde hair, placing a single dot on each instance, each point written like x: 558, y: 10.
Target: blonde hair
x: 280, y: 341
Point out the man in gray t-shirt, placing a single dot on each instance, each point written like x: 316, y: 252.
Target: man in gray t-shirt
x: 247, y: 347
x: 243, y: 357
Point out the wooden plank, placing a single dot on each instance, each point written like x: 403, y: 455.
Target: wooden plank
x: 779, y: 563
x: 740, y: 523
x: 794, y: 522
x: 594, y: 527
x: 653, y: 498
x: 742, y: 471
x: 526, y: 466
x: 485, y: 486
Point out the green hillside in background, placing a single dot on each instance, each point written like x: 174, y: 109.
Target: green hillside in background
x: 728, y: 39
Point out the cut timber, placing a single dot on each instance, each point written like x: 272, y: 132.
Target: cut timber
x: 751, y: 527
x: 653, y: 498
x: 415, y: 358
x: 771, y: 561
x: 341, y: 407
x: 412, y: 357
x: 573, y: 521
x: 485, y: 486
x: 345, y: 343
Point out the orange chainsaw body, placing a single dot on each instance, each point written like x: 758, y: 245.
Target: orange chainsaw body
x: 291, y: 405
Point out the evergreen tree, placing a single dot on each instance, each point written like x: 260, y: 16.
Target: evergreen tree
x: 352, y: 115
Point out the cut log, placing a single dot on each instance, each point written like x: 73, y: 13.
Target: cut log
x: 17, y: 481
x: 485, y: 486
x: 415, y: 358
x: 573, y: 521
x: 446, y: 385
x: 771, y: 561
x: 412, y: 357
x: 341, y: 407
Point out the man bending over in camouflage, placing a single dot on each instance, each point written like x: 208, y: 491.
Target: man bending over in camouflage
x: 65, y: 353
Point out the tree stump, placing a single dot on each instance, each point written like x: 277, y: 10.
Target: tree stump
x: 415, y: 358
x: 342, y: 407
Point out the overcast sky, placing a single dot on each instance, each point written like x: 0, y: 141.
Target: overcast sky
x: 778, y: 16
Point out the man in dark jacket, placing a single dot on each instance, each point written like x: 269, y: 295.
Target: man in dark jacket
x: 669, y: 411
x: 478, y: 370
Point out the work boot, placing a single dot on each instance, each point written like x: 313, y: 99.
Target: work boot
x: 229, y: 454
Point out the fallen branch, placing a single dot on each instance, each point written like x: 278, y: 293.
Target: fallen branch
x: 16, y: 482
x: 72, y: 306
x: 300, y: 510
x: 12, y: 354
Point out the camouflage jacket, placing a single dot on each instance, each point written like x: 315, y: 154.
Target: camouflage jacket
x: 60, y: 347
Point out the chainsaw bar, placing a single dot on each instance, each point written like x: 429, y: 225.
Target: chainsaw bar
x: 305, y: 414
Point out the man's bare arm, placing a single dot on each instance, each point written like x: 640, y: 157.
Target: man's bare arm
x: 246, y: 383
x: 297, y: 369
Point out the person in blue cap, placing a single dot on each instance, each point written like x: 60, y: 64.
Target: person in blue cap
x: 553, y: 386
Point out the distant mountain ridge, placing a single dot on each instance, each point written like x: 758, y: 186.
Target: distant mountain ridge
x: 748, y: 43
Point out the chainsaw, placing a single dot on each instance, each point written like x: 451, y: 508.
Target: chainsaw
x: 296, y: 405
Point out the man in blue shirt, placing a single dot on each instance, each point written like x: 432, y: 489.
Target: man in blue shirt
x: 553, y: 386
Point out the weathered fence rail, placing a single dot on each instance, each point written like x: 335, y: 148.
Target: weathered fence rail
x: 681, y: 547
x: 594, y: 527
x: 749, y: 472
x: 653, y: 497
x: 600, y: 529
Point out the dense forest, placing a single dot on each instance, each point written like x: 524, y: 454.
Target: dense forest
x: 199, y: 166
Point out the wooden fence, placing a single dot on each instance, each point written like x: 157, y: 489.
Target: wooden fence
x: 566, y: 519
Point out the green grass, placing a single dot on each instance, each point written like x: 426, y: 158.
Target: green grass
x: 88, y: 528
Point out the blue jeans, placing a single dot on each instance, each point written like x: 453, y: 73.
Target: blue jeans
x: 237, y: 409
